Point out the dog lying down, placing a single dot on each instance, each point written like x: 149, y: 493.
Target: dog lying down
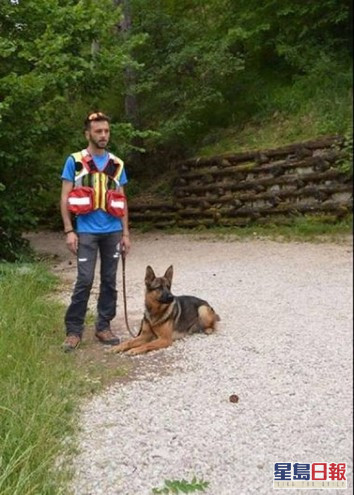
x: 167, y: 317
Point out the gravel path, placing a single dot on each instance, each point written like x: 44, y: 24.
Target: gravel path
x: 284, y: 346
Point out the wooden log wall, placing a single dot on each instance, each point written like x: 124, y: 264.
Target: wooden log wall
x: 265, y: 186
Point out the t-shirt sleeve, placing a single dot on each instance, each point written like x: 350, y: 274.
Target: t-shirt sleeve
x: 69, y: 170
x: 123, y: 179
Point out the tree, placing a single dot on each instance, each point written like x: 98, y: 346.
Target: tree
x: 188, y: 60
x: 47, y: 75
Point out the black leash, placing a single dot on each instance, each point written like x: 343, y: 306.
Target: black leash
x: 125, y: 296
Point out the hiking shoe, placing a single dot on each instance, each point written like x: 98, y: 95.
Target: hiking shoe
x: 107, y: 337
x: 71, y: 342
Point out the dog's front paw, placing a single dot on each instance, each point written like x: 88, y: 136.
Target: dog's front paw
x: 133, y: 352
x: 115, y: 349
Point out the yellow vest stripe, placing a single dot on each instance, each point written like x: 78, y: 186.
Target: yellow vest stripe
x: 96, y: 186
x: 103, y: 191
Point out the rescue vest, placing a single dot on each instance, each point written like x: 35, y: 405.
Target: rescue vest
x: 94, y: 189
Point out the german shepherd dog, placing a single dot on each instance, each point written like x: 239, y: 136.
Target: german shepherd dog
x: 167, y: 317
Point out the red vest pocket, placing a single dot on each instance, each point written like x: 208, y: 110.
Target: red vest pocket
x: 80, y: 200
x: 116, y: 203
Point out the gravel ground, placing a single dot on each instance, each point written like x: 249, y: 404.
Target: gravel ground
x: 284, y: 346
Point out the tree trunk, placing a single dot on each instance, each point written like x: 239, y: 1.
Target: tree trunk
x: 131, y: 105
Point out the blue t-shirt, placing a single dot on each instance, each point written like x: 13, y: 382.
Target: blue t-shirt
x: 97, y: 221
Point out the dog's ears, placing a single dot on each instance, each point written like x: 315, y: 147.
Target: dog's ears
x: 169, y: 274
x: 149, y: 275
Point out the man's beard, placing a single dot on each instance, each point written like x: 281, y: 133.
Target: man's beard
x: 99, y: 144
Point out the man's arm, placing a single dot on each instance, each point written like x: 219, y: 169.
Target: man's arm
x: 71, y: 237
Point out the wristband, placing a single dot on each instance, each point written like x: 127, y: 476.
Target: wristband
x: 68, y: 231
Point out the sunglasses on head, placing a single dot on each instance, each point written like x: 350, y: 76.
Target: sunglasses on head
x: 96, y: 115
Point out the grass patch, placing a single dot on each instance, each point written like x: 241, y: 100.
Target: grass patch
x: 315, y: 104
x: 181, y: 486
x: 39, y: 384
x: 278, y: 130
x: 308, y: 228
x: 273, y: 132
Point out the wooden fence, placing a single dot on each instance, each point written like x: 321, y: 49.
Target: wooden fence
x: 265, y: 186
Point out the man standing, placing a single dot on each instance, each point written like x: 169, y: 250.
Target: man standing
x: 92, y: 189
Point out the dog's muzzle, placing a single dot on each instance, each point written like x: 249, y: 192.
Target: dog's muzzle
x: 166, y: 298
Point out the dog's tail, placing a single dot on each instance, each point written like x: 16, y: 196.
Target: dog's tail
x: 216, y: 316
x: 208, y: 316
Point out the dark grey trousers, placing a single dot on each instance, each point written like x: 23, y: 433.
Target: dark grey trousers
x: 89, y: 246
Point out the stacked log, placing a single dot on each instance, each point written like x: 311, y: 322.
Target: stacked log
x: 256, y: 186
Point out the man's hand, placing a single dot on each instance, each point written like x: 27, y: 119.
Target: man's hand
x: 72, y: 242
x: 125, y: 243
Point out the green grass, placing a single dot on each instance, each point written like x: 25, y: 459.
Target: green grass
x: 315, y: 104
x: 309, y: 228
x: 279, y: 129
x: 181, y: 486
x: 272, y: 132
x: 39, y: 384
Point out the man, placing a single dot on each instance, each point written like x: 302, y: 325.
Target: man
x: 92, y: 190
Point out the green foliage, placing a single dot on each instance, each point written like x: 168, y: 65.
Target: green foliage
x: 39, y: 385
x: 47, y: 70
x: 314, y: 104
x: 212, y: 64
x: 188, y: 60
x: 36, y: 385
x: 320, y: 96
x: 182, y: 486
x: 295, y: 33
x: 13, y: 247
